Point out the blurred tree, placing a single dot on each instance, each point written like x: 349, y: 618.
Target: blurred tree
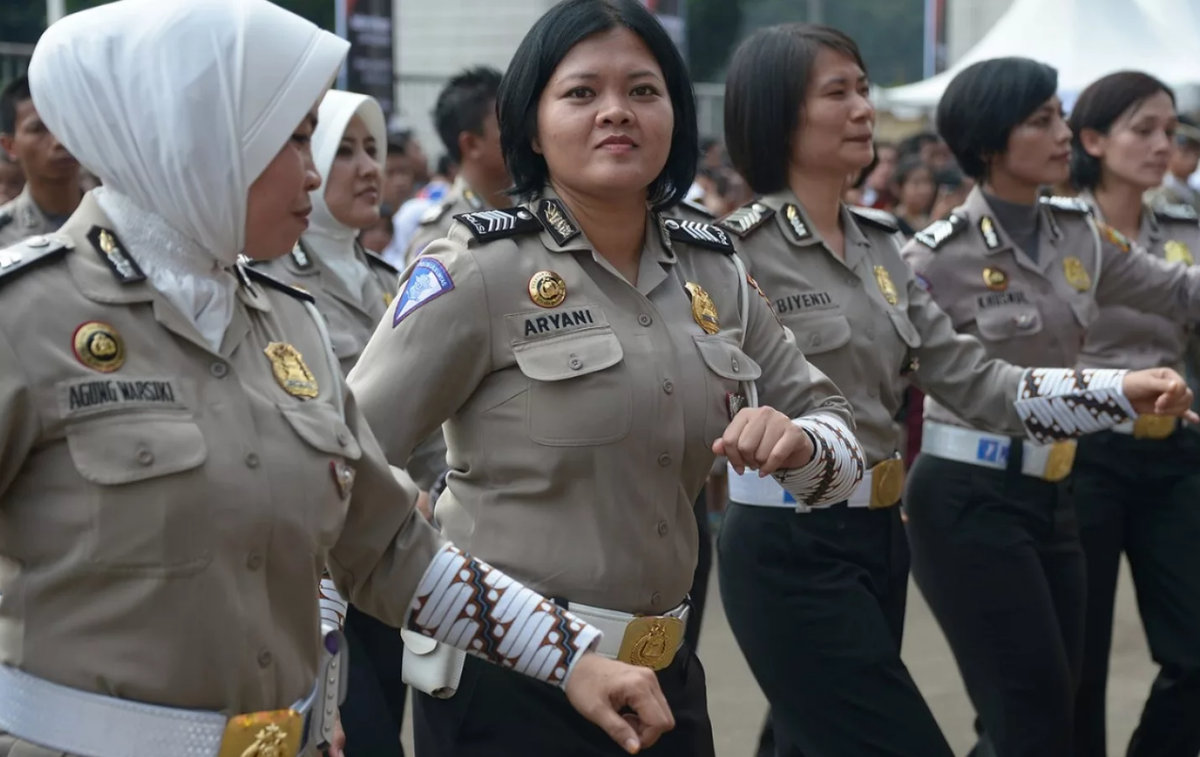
x: 712, y: 29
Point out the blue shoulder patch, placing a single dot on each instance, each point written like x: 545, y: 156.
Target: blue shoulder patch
x: 428, y: 281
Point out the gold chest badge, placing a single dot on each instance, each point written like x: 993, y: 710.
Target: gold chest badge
x: 547, y: 289
x: 98, y: 346
x: 290, y: 371
x: 704, y: 310
x: 995, y: 279
x: 887, y: 287
x: 1077, y: 275
x: 1178, y: 252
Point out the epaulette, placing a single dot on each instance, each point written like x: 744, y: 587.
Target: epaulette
x: 27, y: 254
x: 938, y: 233
x: 878, y: 218
x: 746, y: 219
x: 378, y: 260
x: 1118, y: 239
x: 1069, y: 204
x: 487, y: 225
x: 702, y: 234
x: 1176, y: 212
x: 6, y: 218
x: 434, y: 213
x: 274, y: 283
x: 699, y: 208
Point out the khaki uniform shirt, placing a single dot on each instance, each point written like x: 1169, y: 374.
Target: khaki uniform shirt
x: 166, y: 511
x: 1123, y: 337
x: 438, y: 219
x: 1037, y: 313
x: 580, y: 428
x: 1173, y: 192
x: 20, y: 217
x: 865, y: 323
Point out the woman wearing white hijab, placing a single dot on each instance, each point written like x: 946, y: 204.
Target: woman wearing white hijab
x: 178, y: 450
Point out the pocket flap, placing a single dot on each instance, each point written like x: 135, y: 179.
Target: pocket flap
x: 570, y: 355
x: 417, y: 643
x: 817, y: 334
x: 345, y: 345
x: 320, y: 426
x: 726, y: 359
x: 132, y: 448
x: 905, y: 328
x: 1006, y: 323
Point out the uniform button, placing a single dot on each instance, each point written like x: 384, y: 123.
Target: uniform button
x: 736, y: 367
x: 575, y: 362
x: 662, y: 528
x: 342, y: 438
x: 218, y: 369
x: 145, y: 456
x: 645, y: 320
x: 264, y: 658
x: 656, y: 599
x: 253, y: 561
x: 664, y: 459
x: 870, y: 335
x: 668, y: 386
x: 1025, y: 320
x: 815, y: 340
x: 252, y: 460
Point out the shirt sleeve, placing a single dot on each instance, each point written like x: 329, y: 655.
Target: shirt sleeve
x: 1145, y: 282
x: 19, y: 425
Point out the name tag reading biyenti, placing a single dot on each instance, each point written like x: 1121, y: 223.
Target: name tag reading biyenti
x: 83, y: 396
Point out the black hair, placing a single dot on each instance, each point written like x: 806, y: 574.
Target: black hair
x: 1098, y: 108
x: 765, y: 91
x: 907, y: 167
x: 912, y: 145
x: 463, y: 105
x: 16, y: 92
x: 445, y: 164
x: 949, y: 176
x: 553, y: 36
x: 985, y: 102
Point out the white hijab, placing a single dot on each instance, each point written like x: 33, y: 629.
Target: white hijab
x: 178, y: 106
x: 330, y: 239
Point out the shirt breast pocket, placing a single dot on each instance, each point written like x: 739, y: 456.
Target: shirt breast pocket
x: 332, y: 449
x: 1003, y: 324
x: 728, y: 366
x: 148, y: 516
x: 580, y: 393
x: 817, y: 334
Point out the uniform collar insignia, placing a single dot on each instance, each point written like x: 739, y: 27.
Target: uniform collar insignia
x: 553, y: 215
x: 746, y: 218
x: 110, y: 249
x: 301, y: 258
x: 472, y: 199
x: 795, y: 222
x: 991, y: 237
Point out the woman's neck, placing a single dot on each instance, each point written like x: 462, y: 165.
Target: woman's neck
x: 1121, y: 204
x: 821, y: 198
x: 1011, y: 189
x: 616, y: 227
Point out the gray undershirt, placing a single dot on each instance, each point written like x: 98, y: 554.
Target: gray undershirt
x: 1019, y: 221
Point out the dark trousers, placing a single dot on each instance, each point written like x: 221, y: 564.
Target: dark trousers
x: 499, y: 713
x: 997, y: 556
x: 1143, y: 497
x: 816, y: 602
x: 699, y: 592
x: 373, y: 712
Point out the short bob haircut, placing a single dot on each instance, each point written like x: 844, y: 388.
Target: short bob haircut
x: 1098, y: 108
x: 985, y: 102
x: 765, y: 92
x: 547, y: 43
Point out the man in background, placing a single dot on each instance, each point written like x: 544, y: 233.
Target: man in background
x: 1185, y: 157
x: 12, y: 179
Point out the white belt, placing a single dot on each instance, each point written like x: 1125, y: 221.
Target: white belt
x: 1051, y: 462
x: 616, y: 627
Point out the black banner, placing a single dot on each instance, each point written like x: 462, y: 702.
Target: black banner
x: 370, y: 69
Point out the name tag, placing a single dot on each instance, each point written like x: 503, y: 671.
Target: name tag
x: 545, y: 323
x: 999, y: 299
x: 805, y: 301
x: 80, y: 397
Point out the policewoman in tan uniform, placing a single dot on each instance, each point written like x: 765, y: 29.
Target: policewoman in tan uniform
x: 816, y: 596
x: 1138, y: 485
x: 180, y: 458
x: 992, y: 523
x: 587, y: 353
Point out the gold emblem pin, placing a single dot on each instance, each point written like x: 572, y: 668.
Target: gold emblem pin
x: 547, y: 289
x: 1076, y: 275
x: 887, y: 287
x: 290, y: 371
x: 98, y: 346
x: 1178, y: 252
x: 995, y: 279
x: 263, y: 734
x: 704, y: 310
x: 988, y: 229
x: 651, y: 642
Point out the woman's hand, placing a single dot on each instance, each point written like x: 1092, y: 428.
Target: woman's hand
x: 602, y: 690
x: 1159, y: 391
x: 337, y: 747
x: 766, y: 440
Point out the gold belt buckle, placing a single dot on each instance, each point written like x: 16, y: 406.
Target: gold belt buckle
x: 1153, y: 426
x: 1061, y: 461
x: 887, y: 484
x: 276, y: 733
x: 651, y: 641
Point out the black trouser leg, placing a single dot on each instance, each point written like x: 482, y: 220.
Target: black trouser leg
x: 499, y: 713
x: 699, y: 592
x: 373, y: 712
x: 816, y: 602
x: 997, y: 557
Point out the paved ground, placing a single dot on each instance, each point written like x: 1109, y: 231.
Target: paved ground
x: 737, y: 706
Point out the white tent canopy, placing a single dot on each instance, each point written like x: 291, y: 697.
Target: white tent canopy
x: 1084, y: 40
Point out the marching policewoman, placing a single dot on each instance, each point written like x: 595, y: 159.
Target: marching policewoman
x: 589, y: 354
x: 179, y: 458
x: 992, y: 523
x: 816, y: 598
x: 1137, y: 486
